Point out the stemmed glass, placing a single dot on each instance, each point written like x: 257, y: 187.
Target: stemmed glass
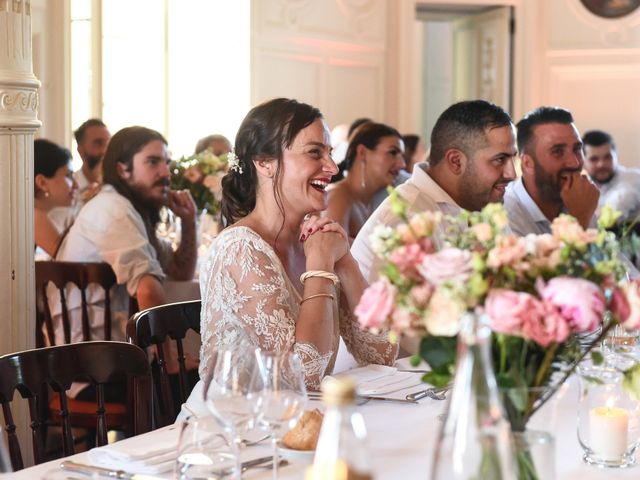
x: 232, y: 395
x: 283, y: 396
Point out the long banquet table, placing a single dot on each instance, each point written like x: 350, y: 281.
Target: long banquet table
x: 401, y: 441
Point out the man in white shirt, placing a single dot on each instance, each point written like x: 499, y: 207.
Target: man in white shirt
x: 117, y: 226
x: 473, y: 146
x: 92, y: 138
x: 619, y: 186
x: 551, y: 156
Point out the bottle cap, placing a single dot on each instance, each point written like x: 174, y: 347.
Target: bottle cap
x: 338, y: 391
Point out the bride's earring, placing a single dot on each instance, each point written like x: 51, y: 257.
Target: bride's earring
x: 363, y: 181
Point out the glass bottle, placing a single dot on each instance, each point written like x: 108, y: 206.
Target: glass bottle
x: 341, y: 453
x: 475, y: 440
x: 5, y: 464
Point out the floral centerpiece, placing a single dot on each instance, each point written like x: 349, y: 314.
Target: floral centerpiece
x: 201, y: 174
x: 549, y: 298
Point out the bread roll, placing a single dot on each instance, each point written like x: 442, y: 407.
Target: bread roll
x: 304, y: 436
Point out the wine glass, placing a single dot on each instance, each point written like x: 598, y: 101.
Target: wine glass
x: 283, y: 396
x: 232, y: 394
x: 204, y: 451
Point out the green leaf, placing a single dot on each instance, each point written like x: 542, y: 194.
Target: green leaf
x: 437, y: 379
x: 631, y: 382
x: 439, y: 352
x: 415, y: 360
x: 596, y: 357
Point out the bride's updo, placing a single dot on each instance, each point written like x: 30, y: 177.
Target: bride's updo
x: 265, y: 133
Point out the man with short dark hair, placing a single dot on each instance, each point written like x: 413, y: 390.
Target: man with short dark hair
x: 92, y: 138
x: 117, y: 226
x: 473, y: 147
x: 619, y: 186
x: 551, y: 156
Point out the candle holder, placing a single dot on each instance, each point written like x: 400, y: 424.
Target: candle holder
x: 608, y: 419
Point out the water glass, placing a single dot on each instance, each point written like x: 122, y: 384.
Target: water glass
x: 283, y: 395
x: 205, y: 452
x: 608, y: 419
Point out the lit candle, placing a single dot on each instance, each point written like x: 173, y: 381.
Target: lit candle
x: 608, y: 432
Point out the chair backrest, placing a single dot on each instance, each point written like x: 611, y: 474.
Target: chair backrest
x: 58, y: 367
x: 152, y: 327
x: 81, y: 274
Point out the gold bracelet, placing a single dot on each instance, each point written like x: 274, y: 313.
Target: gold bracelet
x: 321, y: 274
x: 317, y: 295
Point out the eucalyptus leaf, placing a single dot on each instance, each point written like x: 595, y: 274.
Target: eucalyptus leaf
x: 596, y: 357
x: 631, y: 382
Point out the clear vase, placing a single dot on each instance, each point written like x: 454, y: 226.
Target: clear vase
x: 535, y: 455
x: 475, y: 439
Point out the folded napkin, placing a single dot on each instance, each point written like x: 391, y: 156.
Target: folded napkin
x: 147, y: 454
x: 381, y: 380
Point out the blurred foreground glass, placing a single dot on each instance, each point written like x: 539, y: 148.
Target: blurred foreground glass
x: 204, y: 452
x: 282, y: 397
x: 608, y: 419
x: 475, y: 438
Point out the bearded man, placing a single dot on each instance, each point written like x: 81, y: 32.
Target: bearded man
x: 117, y: 226
x: 552, y: 182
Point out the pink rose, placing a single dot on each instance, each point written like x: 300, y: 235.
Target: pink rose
x: 376, y: 304
x: 579, y: 301
x: 407, y: 258
x: 449, y: 264
x: 194, y: 174
x: 544, y: 325
x: 421, y: 294
x: 632, y: 293
x: 507, y: 310
x: 619, y: 305
x: 509, y: 250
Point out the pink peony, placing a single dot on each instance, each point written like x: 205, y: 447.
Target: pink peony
x: 544, y: 324
x: 376, y: 304
x: 449, y: 264
x: 579, y: 301
x: 406, y: 258
x: 632, y: 294
x: 507, y: 310
x: 619, y: 305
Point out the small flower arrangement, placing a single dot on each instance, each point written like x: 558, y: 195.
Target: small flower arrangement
x: 541, y: 293
x: 201, y: 174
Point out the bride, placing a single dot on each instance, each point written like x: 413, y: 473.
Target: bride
x: 279, y: 277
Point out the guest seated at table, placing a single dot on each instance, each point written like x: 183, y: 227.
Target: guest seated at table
x: 218, y: 144
x: 374, y: 159
x: 278, y: 278
x: 118, y: 225
x: 54, y: 186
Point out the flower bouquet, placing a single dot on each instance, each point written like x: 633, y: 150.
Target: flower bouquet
x: 549, y: 299
x: 201, y: 174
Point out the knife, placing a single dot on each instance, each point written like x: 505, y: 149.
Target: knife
x: 372, y: 397
x: 121, y: 474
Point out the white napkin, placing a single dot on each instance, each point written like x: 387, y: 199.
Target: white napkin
x: 140, y: 454
x: 381, y: 380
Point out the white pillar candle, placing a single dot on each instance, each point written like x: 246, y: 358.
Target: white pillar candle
x: 608, y: 432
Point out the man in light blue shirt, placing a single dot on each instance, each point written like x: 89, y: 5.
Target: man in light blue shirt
x: 551, y: 156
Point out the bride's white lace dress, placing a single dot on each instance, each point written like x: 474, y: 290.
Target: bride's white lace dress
x: 247, y: 297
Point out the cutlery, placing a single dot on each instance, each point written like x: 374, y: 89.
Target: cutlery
x: 314, y: 396
x: 433, y: 392
x: 248, y: 443
x: 412, y: 370
x: 121, y: 474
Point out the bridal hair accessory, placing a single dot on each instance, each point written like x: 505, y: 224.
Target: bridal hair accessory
x: 234, y: 162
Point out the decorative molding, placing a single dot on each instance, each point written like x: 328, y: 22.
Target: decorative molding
x: 23, y: 100
x: 16, y: 6
x: 614, y: 32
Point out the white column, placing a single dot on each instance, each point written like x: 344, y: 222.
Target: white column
x: 18, y: 122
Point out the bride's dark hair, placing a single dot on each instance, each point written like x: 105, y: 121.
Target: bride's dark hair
x: 265, y: 133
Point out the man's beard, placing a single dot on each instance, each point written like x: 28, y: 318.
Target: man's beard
x: 550, y: 185
x: 475, y: 197
x: 92, y: 161
x: 147, y: 205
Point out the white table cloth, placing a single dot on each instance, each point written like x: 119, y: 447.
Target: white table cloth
x: 402, y: 438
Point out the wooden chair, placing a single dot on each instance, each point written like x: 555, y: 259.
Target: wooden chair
x: 81, y: 274
x: 57, y: 367
x: 151, y: 327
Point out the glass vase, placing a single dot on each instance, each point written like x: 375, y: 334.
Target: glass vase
x: 475, y: 439
x: 608, y: 418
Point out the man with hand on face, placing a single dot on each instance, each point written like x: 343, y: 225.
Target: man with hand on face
x: 552, y: 183
x: 473, y: 147
x: 118, y: 225
x: 619, y: 186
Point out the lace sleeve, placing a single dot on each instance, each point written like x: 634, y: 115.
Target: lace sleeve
x: 365, y: 346
x: 246, y: 300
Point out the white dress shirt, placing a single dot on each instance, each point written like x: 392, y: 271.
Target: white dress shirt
x: 421, y: 193
x: 622, y: 192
